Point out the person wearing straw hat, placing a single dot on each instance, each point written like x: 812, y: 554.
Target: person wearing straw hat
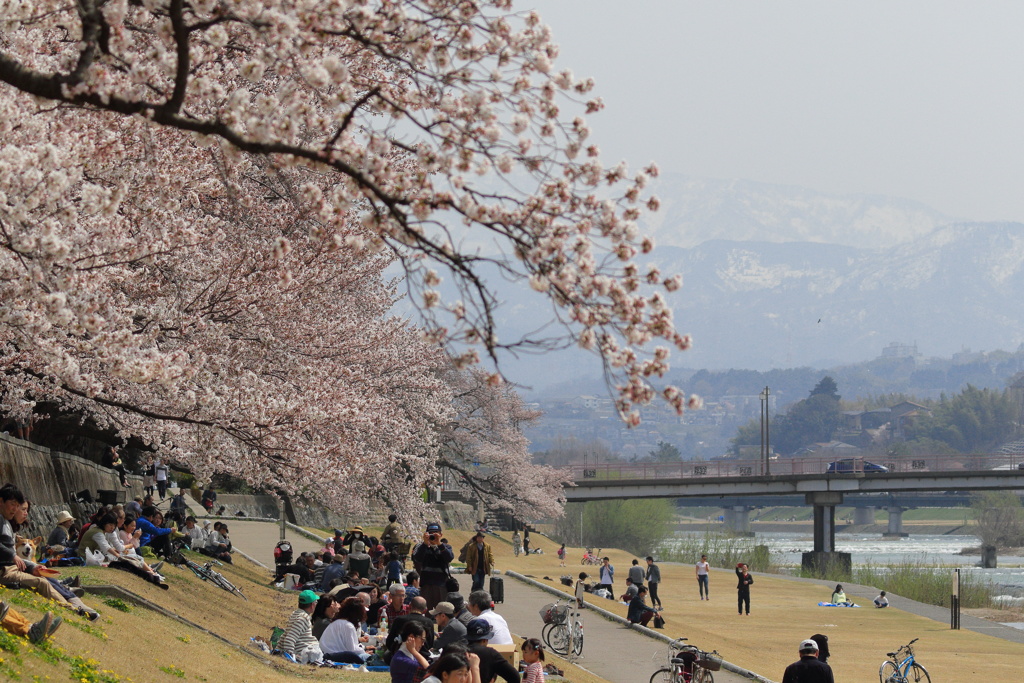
x: 60, y: 534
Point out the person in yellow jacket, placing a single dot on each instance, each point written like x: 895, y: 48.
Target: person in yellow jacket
x: 479, y: 560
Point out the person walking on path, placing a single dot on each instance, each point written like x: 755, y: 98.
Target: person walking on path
x: 606, y: 575
x: 809, y: 669
x: 743, y: 587
x: 702, y: 578
x: 653, y: 579
x: 479, y: 561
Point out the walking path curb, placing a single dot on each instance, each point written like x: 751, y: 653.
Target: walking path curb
x: 728, y: 666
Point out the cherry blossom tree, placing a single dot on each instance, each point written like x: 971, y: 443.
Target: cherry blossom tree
x: 421, y: 121
x: 483, y: 444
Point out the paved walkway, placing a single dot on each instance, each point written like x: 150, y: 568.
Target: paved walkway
x: 611, y: 651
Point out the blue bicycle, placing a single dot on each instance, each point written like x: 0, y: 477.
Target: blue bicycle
x: 902, y: 668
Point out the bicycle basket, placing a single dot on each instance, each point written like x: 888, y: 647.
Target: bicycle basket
x: 554, y: 613
x: 709, y: 661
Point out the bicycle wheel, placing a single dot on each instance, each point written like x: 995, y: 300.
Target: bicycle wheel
x: 577, y: 640
x: 918, y: 674
x: 888, y: 673
x: 221, y: 582
x: 558, y: 639
x: 702, y: 675
x: 663, y: 676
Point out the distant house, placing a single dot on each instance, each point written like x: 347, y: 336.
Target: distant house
x: 904, y: 415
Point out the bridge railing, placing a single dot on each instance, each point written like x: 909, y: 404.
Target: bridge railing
x: 687, y: 469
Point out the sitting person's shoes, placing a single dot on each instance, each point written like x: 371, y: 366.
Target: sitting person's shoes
x: 3, y: 610
x: 92, y: 614
x: 54, y: 625
x: 40, y: 631
x: 156, y: 567
x: 72, y: 581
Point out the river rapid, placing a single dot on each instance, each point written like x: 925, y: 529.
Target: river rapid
x: 870, y: 548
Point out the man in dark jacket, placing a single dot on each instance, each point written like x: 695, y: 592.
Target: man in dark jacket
x: 492, y: 663
x: 431, y: 559
x: 809, y: 669
x: 462, y: 612
x: 450, y: 629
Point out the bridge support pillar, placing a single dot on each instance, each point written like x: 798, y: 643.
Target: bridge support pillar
x: 824, y: 560
x: 895, y: 523
x: 824, y: 503
x: 737, y: 520
x: 864, y: 515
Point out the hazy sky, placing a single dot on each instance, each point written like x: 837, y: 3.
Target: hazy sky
x: 917, y: 99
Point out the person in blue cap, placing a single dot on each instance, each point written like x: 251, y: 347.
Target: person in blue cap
x: 431, y: 559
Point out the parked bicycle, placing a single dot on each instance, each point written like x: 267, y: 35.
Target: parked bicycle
x: 207, y: 573
x: 591, y: 557
x: 901, y: 667
x: 687, y: 664
x: 562, y: 626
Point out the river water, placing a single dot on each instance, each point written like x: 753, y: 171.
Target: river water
x: 934, y: 550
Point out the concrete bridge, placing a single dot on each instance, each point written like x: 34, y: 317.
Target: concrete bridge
x: 805, y: 477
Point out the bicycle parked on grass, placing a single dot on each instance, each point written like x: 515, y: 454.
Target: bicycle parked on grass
x: 687, y: 664
x: 562, y: 626
x: 901, y: 667
x: 207, y: 573
x: 590, y: 557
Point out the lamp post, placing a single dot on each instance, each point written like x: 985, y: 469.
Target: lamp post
x: 765, y: 440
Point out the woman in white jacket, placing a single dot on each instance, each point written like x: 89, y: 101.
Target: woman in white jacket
x: 341, y: 642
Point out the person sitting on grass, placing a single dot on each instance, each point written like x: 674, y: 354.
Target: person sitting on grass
x: 61, y: 534
x: 154, y: 534
x: 639, y: 612
x: 195, y: 535
x: 14, y: 623
x: 218, y: 545
x: 323, y: 614
x: 881, y: 601
x: 298, y: 640
x: 407, y: 662
x: 342, y: 642
x: 839, y: 596
x: 101, y: 537
x: 16, y: 572
x: 454, y: 668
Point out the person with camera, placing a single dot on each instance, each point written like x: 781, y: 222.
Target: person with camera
x: 432, y: 558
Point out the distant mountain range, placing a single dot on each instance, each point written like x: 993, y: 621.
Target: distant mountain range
x: 695, y: 211
x: 779, y: 276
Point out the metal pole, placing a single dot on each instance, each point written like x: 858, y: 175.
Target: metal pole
x: 767, y: 436
x: 954, y: 603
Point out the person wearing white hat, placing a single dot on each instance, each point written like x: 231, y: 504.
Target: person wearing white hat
x: 809, y: 669
x: 59, y: 535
